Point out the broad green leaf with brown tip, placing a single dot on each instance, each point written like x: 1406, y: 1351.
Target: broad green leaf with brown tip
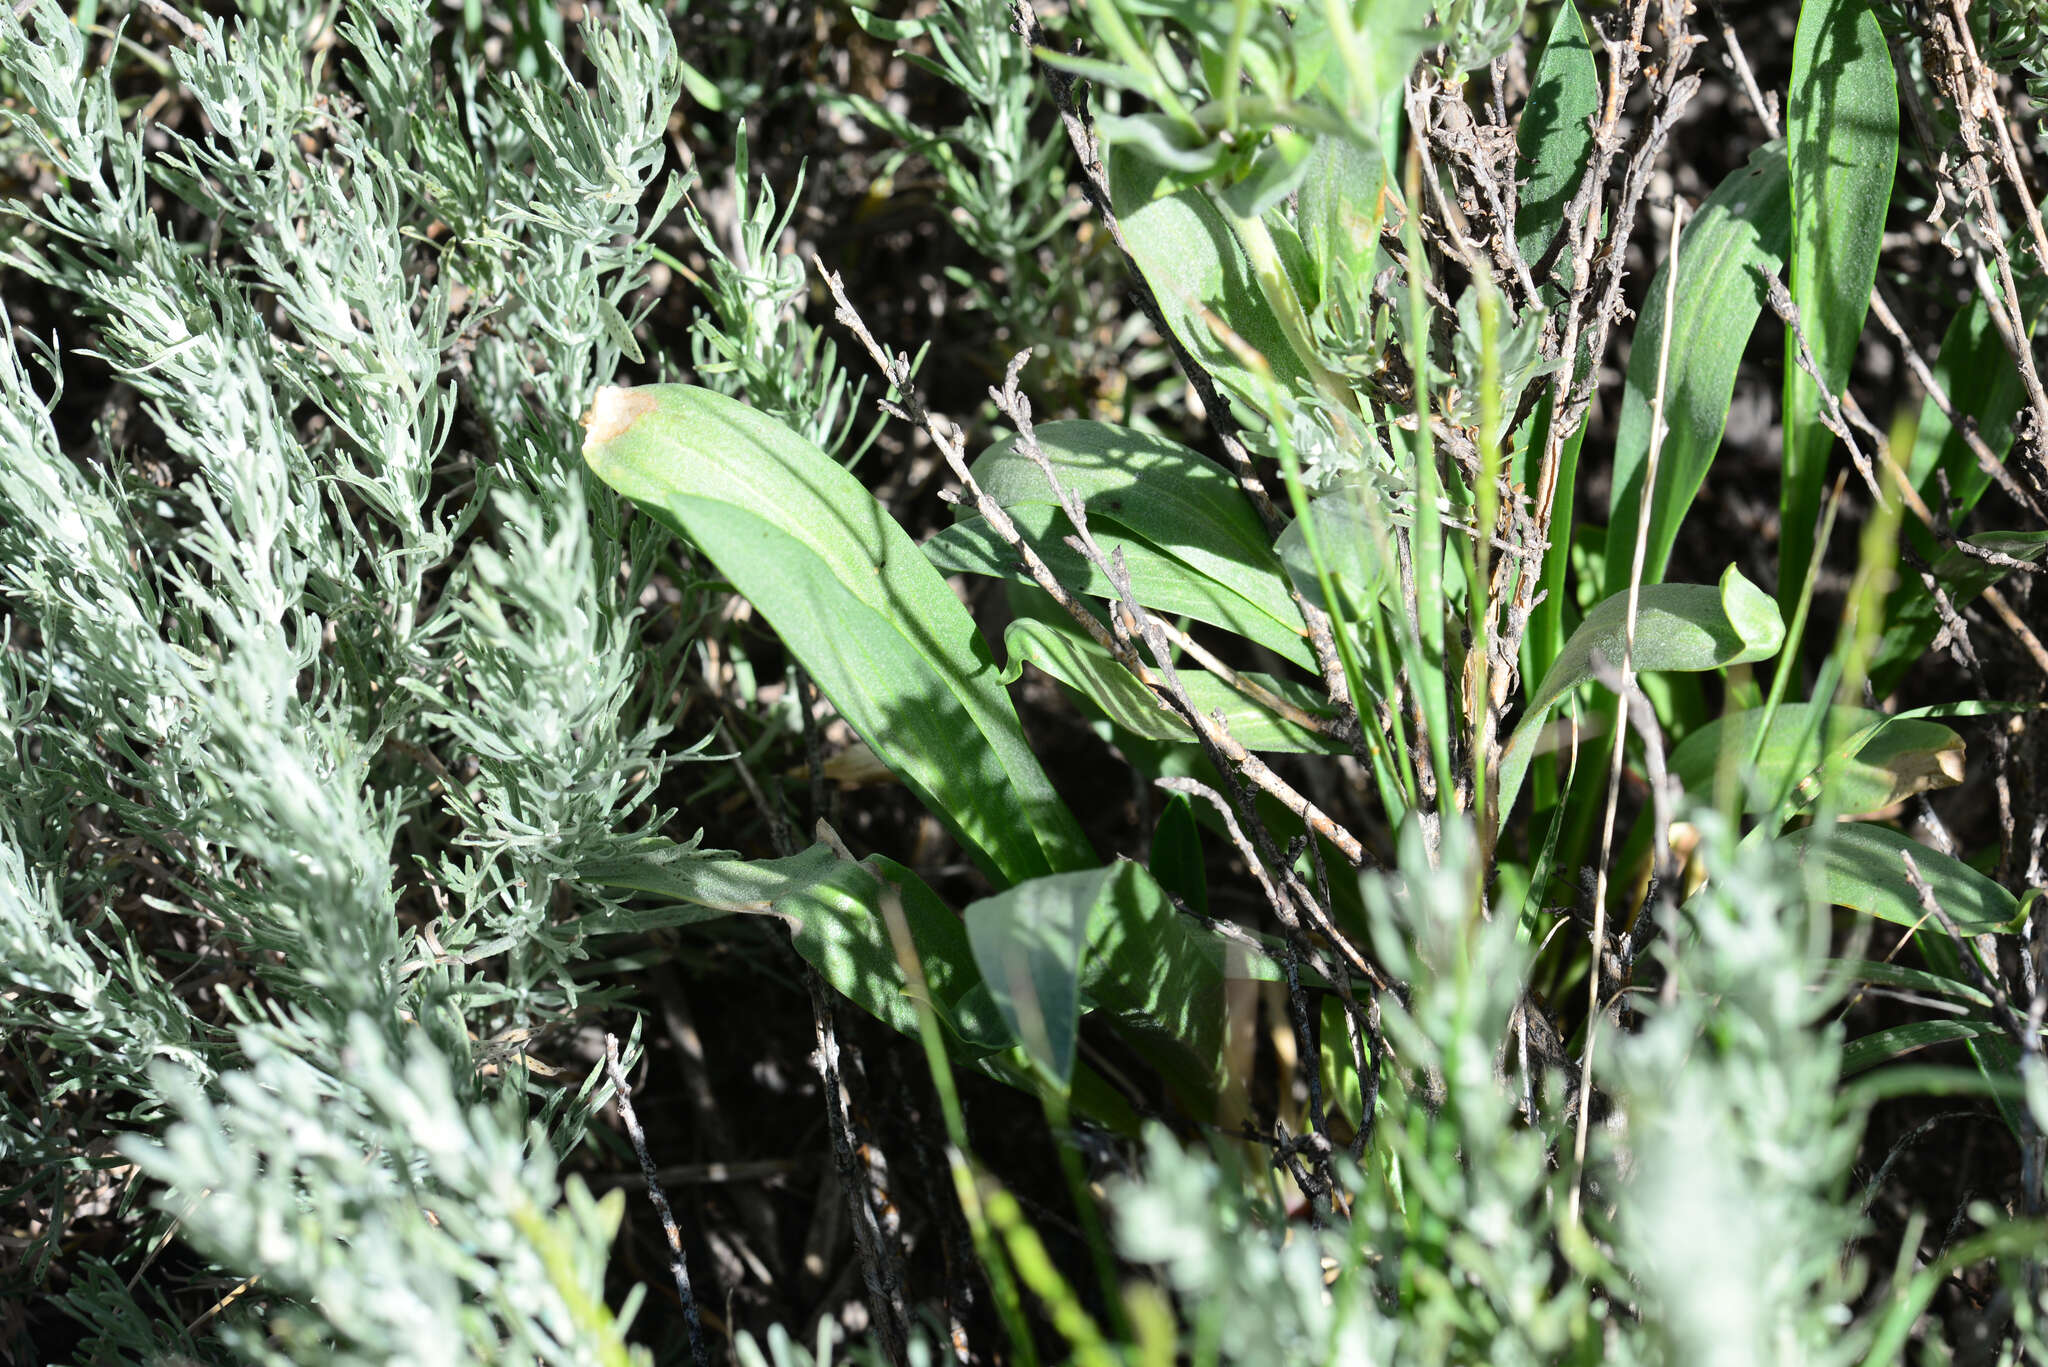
x: 1875, y: 760
x: 855, y: 602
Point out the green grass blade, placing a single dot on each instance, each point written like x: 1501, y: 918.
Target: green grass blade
x: 1551, y: 619
x: 1881, y: 1046
x: 1881, y: 974
x: 1842, y: 146
x: 856, y: 603
x: 1743, y: 227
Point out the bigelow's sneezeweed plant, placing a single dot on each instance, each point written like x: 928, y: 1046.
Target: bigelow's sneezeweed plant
x: 1486, y: 976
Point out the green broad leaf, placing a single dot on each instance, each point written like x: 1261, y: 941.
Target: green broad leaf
x: 701, y: 87
x: 1197, y: 269
x: 1842, y: 146
x: 1104, y: 939
x: 1882, y: 1046
x: 1681, y: 627
x: 1109, y: 75
x: 834, y: 907
x: 1912, y: 620
x: 1743, y: 228
x: 1352, y: 545
x: 1555, y: 139
x: 1862, y: 867
x: 1875, y: 760
x: 1339, y: 211
x: 854, y: 601
x: 1180, y: 502
x: 1341, y: 1089
x: 1090, y: 670
x: 1138, y: 488
x: 1177, y: 854
x: 1181, y: 153
x: 1028, y: 943
x: 1159, y: 977
x: 1275, y: 172
x: 888, y: 30
x: 1293, y: 254
x: 1160, y: 581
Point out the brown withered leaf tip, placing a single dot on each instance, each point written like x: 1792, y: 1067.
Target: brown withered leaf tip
x: 612, y: 412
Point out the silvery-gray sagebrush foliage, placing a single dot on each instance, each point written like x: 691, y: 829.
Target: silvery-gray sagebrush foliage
x: 1736, y: 1131
x: 1448, y: 1252
x: 1001, y: 175
x: 1725, y: 1164
x: 753, y: 340
x: 348, y: 591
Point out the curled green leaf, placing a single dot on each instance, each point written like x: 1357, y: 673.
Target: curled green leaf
x: 1680, y: 627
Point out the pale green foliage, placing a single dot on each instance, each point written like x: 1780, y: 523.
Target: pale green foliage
x: 1447, y: 1255
x: 1725, y: 1166
x: 1258, y: 1295
x: 407, y: 1224
x: 1735, y: 1130
x: 367, y: 596
x: 754, y: 342
x: 1003, y: 176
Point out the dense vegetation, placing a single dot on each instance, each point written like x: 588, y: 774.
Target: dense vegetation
x: 1412, y: 735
